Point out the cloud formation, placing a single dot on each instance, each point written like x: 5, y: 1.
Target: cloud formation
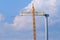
x: 25, y: 22
x: 49, y: 6
x: 22, y: 22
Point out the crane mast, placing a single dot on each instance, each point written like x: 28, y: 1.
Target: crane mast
x: 34, y: 22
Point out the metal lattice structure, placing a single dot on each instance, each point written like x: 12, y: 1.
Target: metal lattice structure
x: 35, y: 13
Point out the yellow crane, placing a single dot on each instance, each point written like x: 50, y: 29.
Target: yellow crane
x: 34, y: 21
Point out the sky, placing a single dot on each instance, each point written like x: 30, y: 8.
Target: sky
x: 13, y: 26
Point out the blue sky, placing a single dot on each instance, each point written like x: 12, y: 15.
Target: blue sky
x: 11, y: 8
x: 16, y: 27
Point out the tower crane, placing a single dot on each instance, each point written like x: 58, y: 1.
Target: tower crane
x: 36, y: 13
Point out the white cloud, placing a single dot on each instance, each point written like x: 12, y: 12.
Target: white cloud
x: 25, y: 22
x: 22, y: 22
x: 49, y: 6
